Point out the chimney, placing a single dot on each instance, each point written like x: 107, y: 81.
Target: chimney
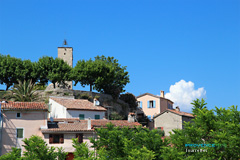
x: 177, y: 108
x: 131, y: 117
x: 89, y: 123
x: 162, y: 94
x: 95, y: 102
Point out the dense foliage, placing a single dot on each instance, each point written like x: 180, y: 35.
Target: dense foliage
x: 126, y: 143
x: 218, y: 126
x: 35, y: 149
x: 104, y: 74
x: 22, y: 92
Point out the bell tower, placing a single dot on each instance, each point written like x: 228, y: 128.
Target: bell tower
x: 66, y: 53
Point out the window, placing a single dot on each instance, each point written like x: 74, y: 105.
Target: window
x: 81, y: 116
x: 140, y: 104
x: 97, y: 116
x: 19, y: 132
x: 18, y: 115
x: 79, y: 137
x: 56, y: 138
x: 151, y: 104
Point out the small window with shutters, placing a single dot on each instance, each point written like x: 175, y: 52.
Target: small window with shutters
x: 151, y: 104
x: 56, y: 138
x: 79, y: 137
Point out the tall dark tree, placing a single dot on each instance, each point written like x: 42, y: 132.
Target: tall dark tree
x: 130, y: 99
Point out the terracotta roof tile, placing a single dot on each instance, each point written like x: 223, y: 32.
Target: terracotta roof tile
x: 80, y: 104
x: 118, y: 123
x: 153, y: 96
x: 24, y: 106
x: 82, y: 125
x: 176, y: 112
x: 181, y: 113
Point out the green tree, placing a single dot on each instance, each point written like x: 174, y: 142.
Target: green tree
x: 122, y: 143
x: 10, y: 70
x: 23, y: 92
x: 29, y: 71
x: 15, y: 154
x: 53, y: 70
x: 103, y: 74
x: 86, y: 73
x: 113, y: 77
x: 37, y: 149
x: 216, y: 126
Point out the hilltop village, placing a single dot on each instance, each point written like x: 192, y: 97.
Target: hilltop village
x: 62, y: 113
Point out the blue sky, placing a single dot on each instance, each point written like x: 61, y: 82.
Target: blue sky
x: 161, y: 42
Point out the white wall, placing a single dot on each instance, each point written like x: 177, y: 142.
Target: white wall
x: 87, y: 114
x: 57, y: 110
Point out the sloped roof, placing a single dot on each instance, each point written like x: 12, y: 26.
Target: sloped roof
x: 82, y: 125
x: 153, y: 96
x: 176, y: 112
x: 118, y: 123
x: 79, y: 104
x: 24, y: 106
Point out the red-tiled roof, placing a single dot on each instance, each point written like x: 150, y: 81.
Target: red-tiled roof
x: 70, y: 127
x: 24, y: 106
x: 82, y: 125
x: 176, y: 112
x: 79, y: 104
x: 64, y: 119
x: 118, y: 123
x: 153, y: 96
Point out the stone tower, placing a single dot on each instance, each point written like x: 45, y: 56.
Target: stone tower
x: 66, y: 53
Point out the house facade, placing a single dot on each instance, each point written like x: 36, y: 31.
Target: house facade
x: 171, y: 119
x: 75, y: 108
x: 61, y: 131
x: 152, y: 105
x: 21, y: 120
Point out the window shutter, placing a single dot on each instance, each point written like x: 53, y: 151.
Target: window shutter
x: 148, y: 104
x: 140, y: 104
x: 79, y: 137
x: 61, y: 138
x: 154, y: 104
x: 50, y: 138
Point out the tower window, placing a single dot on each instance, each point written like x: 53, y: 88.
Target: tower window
x: 64, y: 53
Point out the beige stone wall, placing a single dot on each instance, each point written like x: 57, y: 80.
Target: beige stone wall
x: 146, y: 110
x: 66, y: 53
x: 30, y: 121
x: 168, y: 121
x: 67, y: 145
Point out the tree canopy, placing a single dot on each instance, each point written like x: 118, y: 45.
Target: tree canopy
x: 53, y: 70
x: 218, y: 126
x: 104, y: 74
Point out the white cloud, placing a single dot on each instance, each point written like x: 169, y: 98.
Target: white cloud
x: 182, y: 93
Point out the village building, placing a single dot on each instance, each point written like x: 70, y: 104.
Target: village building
x: 21, y: 120
x: 75, y: 108
x: 171, y: 119
x: 152, y: 105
